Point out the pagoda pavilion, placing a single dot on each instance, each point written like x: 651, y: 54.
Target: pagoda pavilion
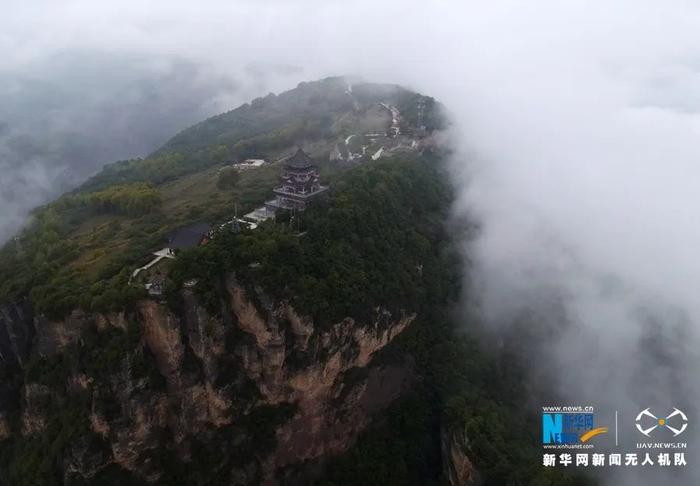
x: 299, y: 184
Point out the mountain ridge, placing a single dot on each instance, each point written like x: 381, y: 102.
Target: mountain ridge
x: 315, y: 349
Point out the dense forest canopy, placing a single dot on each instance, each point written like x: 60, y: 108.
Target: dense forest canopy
x: 372, y: 243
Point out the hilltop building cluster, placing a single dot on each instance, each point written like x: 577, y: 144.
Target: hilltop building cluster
x: 399, y: 137
x: 300, y: 183
x: 187, y: 237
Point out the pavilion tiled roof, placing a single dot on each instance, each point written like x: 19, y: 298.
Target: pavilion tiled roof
x: 299, y: 160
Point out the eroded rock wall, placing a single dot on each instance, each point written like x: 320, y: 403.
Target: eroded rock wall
x: 210, y: 373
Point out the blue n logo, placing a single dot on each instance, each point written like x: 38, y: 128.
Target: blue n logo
x: 551, y: 428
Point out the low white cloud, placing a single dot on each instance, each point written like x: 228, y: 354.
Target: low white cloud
x: 579, y: 129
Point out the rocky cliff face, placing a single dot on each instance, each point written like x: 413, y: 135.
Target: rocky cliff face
x: 330, y: 409
x: 458, y: 468
x: 15, y: 335
x: 283, y: 391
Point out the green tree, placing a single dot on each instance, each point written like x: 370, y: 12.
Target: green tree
x: 228, y: 178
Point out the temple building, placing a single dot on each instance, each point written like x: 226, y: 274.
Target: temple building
x: 300, y: 184
x: 189, y: 237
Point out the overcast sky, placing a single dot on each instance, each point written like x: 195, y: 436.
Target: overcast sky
x: 577, y: 122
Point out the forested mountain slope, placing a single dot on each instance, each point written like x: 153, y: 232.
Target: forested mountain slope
x: 315, y: 348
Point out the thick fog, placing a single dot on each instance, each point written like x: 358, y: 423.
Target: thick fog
x: 578, y: 132
x: 66, y: 113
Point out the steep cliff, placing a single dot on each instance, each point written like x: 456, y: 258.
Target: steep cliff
x: 459, y: 469
x: 15, y: 335
x: 216, y: 371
